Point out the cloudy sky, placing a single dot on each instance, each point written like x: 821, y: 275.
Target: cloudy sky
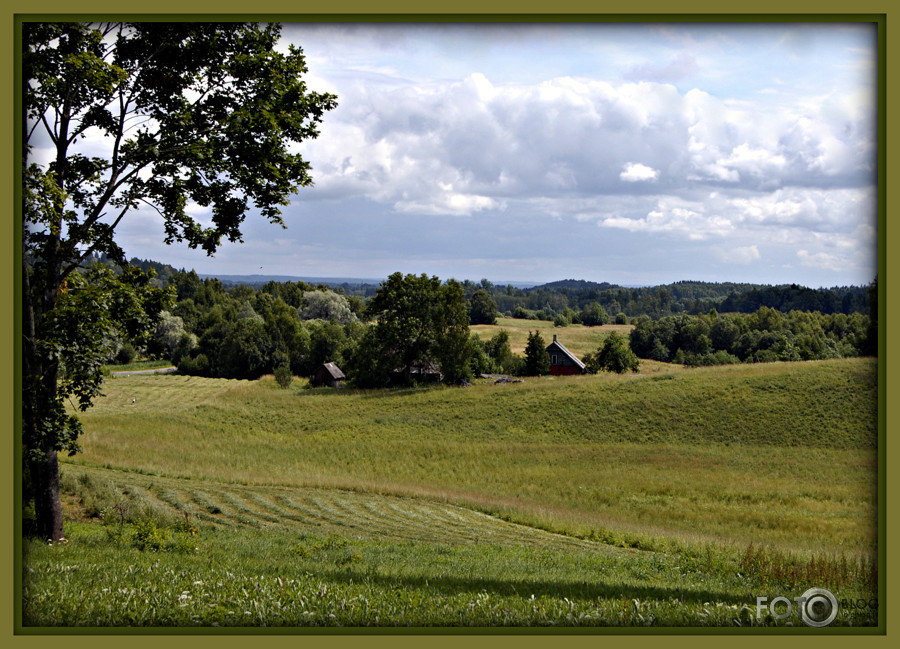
x: 634, y: 154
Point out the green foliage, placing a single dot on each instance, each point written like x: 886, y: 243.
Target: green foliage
x: 499, y: 349
x: 593, y: 315
x: 283, y: 375
x: 203, y: 113
x: 764, y: 336
x: 170, y: 333
x: 613, y: 356
x: 482, y: 308
x: 420, y: 324
x: 537, y: 360
x: 327, y: 305
x: 126, y: 354
x: 522, y: 313
x: 147, y: 535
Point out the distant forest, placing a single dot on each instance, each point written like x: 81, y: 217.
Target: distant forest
x: 547, y: 301
x: 244, y: 331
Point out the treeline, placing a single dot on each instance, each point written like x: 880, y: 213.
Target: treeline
x: 571, y: 297
x: 414, y: 330
x: 574, y: 301
x: 763, y: 336
x: 242, y: 332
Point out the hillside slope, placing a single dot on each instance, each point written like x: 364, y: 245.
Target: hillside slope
x: 779, y: 453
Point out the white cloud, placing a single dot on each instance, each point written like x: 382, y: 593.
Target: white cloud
x: 822, y: 260
x: 637, y: 172
x: 673, y: 216
x: 450, y: 203
x: 739, y: 255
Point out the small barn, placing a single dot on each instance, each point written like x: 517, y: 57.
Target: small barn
x: 327, y: 374
x: 562, y: 361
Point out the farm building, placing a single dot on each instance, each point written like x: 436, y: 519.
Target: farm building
x: 562, y: 361
x: 429, y: 372
x: 327, y: 374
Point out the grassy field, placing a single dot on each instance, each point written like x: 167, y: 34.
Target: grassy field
x: 578, y: 339
x: 273, y: 556
x: 671, y: 496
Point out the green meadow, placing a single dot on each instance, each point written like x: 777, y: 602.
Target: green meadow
x: 578, y: 339
x: 666, y: 497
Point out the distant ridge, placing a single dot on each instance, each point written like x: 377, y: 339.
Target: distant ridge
x: 258, y: 280
x: 252, y: 280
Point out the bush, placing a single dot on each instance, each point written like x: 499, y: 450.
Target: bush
x: 126, y: 354
x: 283, y: 375
x: 613, y: 356
x: 621, y: 318
x: 148, y: 535
x: 198, y: 366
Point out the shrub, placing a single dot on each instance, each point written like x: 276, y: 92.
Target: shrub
x: 283, y: 375
x: 126, y: 354
x: 198, y: 366
x: 147, y: 535
x: 613, y: 356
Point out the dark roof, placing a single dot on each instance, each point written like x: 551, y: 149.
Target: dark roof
x: 560, y: 347
x: 334, y: 371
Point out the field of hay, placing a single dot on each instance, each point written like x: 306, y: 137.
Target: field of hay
x: 578, y: 339
x: 665, y: 487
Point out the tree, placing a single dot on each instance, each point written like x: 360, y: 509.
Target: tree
x: 190, y: 113
x: 283, y: 374
x: 537, y: 360
x: 499, y: 349
x: 482, y: 308
x: 593, y: 315
x: 327, y: 305
x: 419, y: 323
x: 614, y: 355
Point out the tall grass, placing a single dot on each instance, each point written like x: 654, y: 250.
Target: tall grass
x: 780, y: 454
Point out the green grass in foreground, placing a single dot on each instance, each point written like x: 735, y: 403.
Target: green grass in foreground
x: 778, y: 454
x: 333, y: 558
x: 668, y: 498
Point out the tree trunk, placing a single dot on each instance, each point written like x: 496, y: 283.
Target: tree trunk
x: 47, y: 506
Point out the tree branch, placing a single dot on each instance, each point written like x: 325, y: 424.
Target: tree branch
x: 75, y: 264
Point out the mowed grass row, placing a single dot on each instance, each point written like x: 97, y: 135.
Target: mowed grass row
x: 108, y: 495
x: 300, y: 557
x: 778, y: 454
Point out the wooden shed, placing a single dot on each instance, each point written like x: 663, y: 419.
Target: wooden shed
x: 327, y: 374
x: 562, y: 361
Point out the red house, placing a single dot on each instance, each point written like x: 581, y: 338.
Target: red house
x: 562, y: 361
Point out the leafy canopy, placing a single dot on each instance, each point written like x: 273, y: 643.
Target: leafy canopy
x: 127, y: 115
x: 421, y: 324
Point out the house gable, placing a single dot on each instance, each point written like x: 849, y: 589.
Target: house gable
x: 562, y: 361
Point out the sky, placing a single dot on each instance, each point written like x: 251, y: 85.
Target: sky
x: 633, y: 154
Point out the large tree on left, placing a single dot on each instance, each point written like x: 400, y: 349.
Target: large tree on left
x: 122, y: 116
